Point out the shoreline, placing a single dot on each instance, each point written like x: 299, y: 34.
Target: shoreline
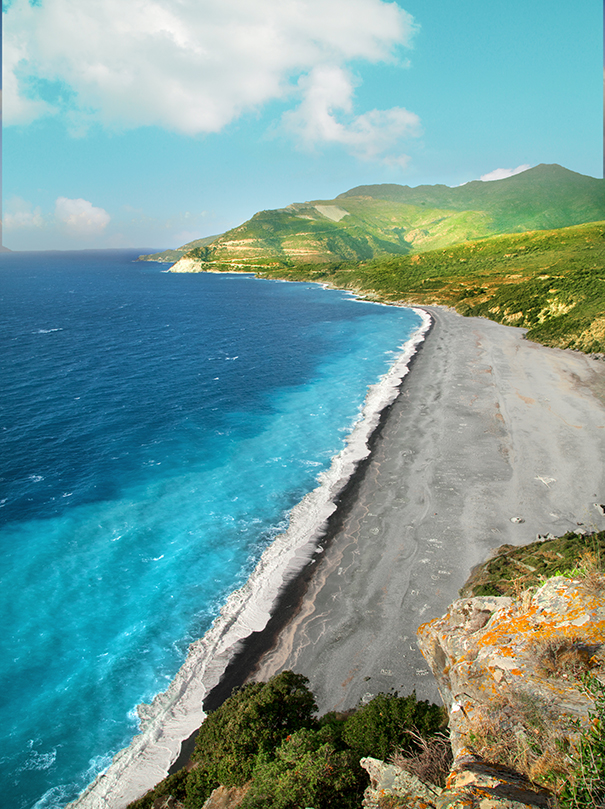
x: 495, y: 440
x: 174, y: 715
x: 492, y: 440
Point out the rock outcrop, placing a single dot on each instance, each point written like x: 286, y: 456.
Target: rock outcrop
x: 226, y: 797
x: 510, y: 674
x: 390, y: 780
x: 472, y: 784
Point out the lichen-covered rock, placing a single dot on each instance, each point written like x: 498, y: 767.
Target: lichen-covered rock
x: 390, y: 780
x: 509, y: 672
x: 473, y: 784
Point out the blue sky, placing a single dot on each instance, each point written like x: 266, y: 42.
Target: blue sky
x: 148, y: 123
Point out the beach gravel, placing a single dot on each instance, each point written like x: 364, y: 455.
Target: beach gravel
x: 493, y: 440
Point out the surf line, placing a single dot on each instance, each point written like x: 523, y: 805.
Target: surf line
x: 175, y: 714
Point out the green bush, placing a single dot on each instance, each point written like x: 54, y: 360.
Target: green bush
x: 307, y: 770
x: 379, y: 728
x: 266, y: 734
x: 252, y: 722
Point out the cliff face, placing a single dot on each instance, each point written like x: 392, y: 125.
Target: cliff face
x: 510, y: 674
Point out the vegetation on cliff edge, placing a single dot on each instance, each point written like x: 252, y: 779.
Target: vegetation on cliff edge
x: 267, y: 737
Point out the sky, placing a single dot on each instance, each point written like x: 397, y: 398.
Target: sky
x: 150, y: 123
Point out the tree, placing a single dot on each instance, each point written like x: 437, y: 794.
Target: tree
x: 251, y: 723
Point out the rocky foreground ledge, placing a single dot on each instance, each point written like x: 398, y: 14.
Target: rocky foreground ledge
x: 514, y: 676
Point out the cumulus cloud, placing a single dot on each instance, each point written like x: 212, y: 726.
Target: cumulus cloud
x: 21, y: 214
x: 501, y: 174
x: 191, y: 66
x: 325, y: 115
x: 81, y: 217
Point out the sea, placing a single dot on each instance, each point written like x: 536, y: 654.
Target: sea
x: 156, y: 429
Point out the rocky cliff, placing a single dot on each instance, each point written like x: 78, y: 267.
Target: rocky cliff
x: 515, y: 676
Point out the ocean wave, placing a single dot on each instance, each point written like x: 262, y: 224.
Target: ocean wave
x: 176, y: 713
x: 38, y: 761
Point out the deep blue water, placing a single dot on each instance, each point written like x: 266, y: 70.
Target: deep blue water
x: 155, y: 430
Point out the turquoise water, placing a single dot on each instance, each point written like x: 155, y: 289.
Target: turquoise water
x: 156, y: 429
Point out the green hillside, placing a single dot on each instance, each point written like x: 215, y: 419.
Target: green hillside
x: 381, y: 220
x: 322, y: 232
x: 550, y: 282
x: 178, y: 252
x: 547, y: 196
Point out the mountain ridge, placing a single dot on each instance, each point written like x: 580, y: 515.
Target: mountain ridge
x: 380, y: 220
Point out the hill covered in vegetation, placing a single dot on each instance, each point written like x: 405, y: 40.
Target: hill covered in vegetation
x: 381, y: 220
x: 549, y: 282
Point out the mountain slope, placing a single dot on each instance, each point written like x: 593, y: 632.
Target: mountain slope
x: 547, y: 196
x: 378, y: 220
x: 551, y: 282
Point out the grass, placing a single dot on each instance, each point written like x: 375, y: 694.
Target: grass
x: 432, y: 760
x: 514, y: 568
x: 522, y: 734
x: 586, y: 788
x: 565, y: 657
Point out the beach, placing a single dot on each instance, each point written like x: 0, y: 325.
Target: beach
x: 491, y: 440
x: 494, y: 440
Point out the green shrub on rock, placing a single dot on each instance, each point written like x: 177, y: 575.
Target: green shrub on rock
x: 379, y: 728
x: 251, y: 723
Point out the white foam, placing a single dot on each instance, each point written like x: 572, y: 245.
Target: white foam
x: 177, y: 712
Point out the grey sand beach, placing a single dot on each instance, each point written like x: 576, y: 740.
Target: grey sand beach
x: 493, y: 440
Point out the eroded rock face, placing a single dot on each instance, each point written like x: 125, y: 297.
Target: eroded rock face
x: 509, y: 672
x: 387, y: 779
x: 473, y: 784
x: 226, y: 797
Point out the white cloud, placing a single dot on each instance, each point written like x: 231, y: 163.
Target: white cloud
x: 81, y: 217
x: 19, y: 214
x: 325, y: 116
x: 501, y: 174
x: 191, y: 66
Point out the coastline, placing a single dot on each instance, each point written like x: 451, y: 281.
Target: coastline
x: 494, y: 440
x: 491, y: 440
x: 177, y: 713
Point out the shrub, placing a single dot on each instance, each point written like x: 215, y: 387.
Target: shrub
x: 265, y: 737
x: 252, y: 722
x: 308, y: 770
x: 380, y: 727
